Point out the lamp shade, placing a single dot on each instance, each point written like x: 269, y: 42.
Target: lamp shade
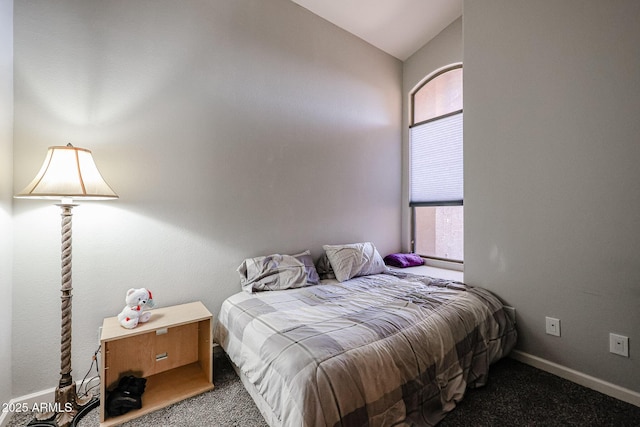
x: 68, y: 173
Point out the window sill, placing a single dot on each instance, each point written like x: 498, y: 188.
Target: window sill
x: 443, y: 264
x: 436, y: 272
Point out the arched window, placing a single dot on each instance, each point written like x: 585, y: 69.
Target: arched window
x: 436, y: 166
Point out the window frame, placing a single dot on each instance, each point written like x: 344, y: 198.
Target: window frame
x: 432, y: 260
x: 426, y: 81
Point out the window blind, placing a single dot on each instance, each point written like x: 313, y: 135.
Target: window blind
x: 436, y: 174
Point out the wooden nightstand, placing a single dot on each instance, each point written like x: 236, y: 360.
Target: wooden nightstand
x: 172, y: 351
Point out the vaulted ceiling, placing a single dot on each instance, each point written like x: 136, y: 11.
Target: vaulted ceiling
x: 398, y: 27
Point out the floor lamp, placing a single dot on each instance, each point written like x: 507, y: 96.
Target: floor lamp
x: 67, y: 173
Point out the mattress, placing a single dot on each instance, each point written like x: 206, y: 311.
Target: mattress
x: 378, y: 350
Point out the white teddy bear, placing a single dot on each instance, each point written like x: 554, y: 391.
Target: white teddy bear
x: 137, y: 301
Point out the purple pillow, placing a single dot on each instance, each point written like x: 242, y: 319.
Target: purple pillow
x: 403, y: 260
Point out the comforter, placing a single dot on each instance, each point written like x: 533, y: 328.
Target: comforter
x: 379, y: 350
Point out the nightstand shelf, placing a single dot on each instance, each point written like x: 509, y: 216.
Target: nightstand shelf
x: 172, y: 351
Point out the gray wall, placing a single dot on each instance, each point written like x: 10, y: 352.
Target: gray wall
x: 229, y: 129
x: 443, y: 50
x: 6, y: 168
x: 551, y: 98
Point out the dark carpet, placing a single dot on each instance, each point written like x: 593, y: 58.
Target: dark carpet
x: 520, y: 395
x: 516, y: 395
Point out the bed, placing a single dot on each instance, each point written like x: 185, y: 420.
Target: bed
x: 381, y: 349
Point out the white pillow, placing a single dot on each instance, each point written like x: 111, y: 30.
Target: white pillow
x: 356, y: 259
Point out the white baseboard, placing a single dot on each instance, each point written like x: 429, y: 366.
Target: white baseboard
x: 585, y: 380
x: 27, y: 401
x: 4, y: 418
x: 30, y: 400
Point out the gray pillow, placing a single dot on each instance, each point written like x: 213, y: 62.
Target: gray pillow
x: 356, y: 259
x: 272, y: 273
x: 312, y: 275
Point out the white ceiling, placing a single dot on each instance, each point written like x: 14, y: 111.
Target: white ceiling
x: 398, y: 27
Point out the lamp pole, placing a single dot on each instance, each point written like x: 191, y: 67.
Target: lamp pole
x: 68, y: 408
x: 66, y: 288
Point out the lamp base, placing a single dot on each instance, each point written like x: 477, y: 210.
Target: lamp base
x: 68, y: 409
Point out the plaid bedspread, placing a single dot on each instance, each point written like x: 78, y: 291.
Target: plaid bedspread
x: 381, y: 350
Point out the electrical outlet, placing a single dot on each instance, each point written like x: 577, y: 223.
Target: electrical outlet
x: 553, y: 326
x: 619, y: 344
